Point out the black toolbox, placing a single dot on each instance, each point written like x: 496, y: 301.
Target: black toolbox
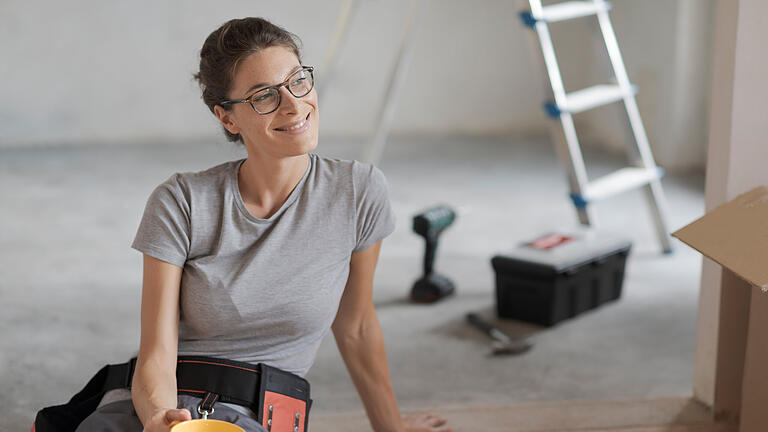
x: 559, y: 275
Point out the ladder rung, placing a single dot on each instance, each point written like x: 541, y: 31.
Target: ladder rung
x: 571, y: 9
x: 620, y: 181
x: 588, y: 98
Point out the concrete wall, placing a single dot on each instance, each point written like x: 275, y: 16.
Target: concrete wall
x: 90, y: 71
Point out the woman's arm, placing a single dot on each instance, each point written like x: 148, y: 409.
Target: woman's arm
x: 154, y: 382
x: 361, y: 344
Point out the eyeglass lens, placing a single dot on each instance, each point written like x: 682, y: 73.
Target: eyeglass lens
x: 299, y: 84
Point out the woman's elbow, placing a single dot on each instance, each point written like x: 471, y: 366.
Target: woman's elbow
x: 352, y: 333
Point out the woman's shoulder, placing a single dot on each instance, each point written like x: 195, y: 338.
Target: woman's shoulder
x: 347, y: 169
x: 207, y: 179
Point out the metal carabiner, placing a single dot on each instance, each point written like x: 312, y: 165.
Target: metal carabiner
x: 202, y: 412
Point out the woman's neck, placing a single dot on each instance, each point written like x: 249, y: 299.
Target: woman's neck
x: 265, y: 183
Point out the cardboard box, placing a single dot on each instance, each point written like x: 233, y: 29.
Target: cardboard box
x: 735, y: 235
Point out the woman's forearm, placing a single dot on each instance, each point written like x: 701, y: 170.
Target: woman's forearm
x: 154, y: 380
x: 153, y: 388
x: 366, y: 359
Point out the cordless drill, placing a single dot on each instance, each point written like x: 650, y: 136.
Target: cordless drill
x: 430, y: 224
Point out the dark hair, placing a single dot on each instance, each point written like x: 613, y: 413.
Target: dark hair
x: 227, y: 46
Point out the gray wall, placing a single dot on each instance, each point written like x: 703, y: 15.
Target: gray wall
x: 115, y: 72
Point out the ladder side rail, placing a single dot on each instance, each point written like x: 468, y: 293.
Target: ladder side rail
x: 340, y: 35
x: 558, y: 90
x: 586, y: 214
x: 655, y: 197
x: 578, y: 173
x: 653, y: 190
x: 536, y: 7
x: 634, y: 157
x: 375, y: 148
x: 622, y: 78
x: 550, y: 60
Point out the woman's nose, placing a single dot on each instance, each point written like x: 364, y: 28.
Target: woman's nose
x: 288, y: 103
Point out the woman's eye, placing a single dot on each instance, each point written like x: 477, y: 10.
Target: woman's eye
x: 261, y: 98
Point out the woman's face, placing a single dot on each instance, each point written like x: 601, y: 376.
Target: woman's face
x: 290, y: 130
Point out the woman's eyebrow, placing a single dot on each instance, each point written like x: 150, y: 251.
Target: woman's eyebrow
x: 256, y: 86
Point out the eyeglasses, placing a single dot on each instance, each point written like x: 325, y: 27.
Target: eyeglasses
x: 266, y: 100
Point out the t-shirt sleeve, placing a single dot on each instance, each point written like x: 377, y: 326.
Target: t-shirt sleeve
x: 374, y: 216
x: 165, y: 226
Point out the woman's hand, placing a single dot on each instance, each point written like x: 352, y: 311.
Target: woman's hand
x: 162, y: 420
x: 425, y: 423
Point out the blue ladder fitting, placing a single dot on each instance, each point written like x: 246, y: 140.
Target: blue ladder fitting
x: 578, y: 201
x: 528, y: 19
x: 662, y: 171
x: 552, y: 109
x: 669, y: 251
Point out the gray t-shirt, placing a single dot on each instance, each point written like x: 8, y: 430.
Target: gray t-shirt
x: 264, y: 290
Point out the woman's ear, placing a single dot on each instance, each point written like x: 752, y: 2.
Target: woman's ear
x: 225, y: 117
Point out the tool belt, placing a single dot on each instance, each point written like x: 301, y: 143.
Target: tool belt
x: 280, y: 399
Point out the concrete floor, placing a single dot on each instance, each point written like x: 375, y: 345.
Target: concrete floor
x: 71, y: 284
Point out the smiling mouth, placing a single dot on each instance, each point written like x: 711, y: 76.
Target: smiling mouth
x: 295, y: 126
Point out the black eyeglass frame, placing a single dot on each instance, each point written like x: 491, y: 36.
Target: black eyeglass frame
x: 276, y: 87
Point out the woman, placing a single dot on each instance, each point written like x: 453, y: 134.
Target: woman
x: 255, y: 260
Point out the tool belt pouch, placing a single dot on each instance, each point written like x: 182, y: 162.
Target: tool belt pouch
x: 284, y: 401
x: 66, y: 417
x: 279, y: 398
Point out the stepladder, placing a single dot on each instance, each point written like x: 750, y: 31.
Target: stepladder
x: 642, y: 171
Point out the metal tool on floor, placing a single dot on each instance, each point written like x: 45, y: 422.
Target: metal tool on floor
x: 502, y: 344
x: 429, y: 224
x: 643, y: 171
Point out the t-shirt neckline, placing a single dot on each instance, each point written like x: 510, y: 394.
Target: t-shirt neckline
x: 288, y: 202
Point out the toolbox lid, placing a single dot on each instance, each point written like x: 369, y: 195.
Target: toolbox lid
x: 735, y: 235
x: 561, y: 250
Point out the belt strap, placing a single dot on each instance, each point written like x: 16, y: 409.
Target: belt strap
x: 119, y: 375
x: 205, y: 408
x: 233, y: 382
